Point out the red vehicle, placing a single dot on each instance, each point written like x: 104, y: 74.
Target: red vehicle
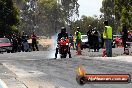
x: 5, y: 45
x: 63, y: 48
x: 117, y: 41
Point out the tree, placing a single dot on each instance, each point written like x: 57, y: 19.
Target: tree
x: 70, y: 7
x: 123, y: 12
x: 58, y: 12
x: 9, y: 17
x: 108, y: 12
x: 84, y: 23
x: 47, y: 15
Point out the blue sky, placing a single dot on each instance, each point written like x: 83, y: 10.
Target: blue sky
x: 89, y: 7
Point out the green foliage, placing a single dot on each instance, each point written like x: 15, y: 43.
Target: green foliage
x: 84, y: 23
x: 117, y: 12
x: 123, y: 12
x: 108, y: 12
x: 58, y: 13
x: 70, y: 7
x: 48, y: 15
x: 8, y: 16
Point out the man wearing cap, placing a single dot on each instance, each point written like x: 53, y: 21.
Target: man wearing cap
x: 107, y: 36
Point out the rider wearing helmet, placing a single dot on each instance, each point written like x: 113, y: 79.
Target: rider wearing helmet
x: 63, y: 33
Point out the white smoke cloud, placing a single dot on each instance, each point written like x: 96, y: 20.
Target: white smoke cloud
x: 53, y: 47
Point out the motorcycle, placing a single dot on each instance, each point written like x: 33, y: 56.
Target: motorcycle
x: 63, y: 48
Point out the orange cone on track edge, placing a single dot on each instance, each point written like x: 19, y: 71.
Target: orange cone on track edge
x: 79, y: 52
x: 104, y: 53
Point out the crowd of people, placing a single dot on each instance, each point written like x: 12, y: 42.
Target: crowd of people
x: 98, y: 40
x: 93, y: 39
x: 20, y: 42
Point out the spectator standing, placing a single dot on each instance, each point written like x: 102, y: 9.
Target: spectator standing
x: 78, y: 37
x: 124, y: 36
x: 15, y: 43
x: 19, y: 38
x: 107, y: 35
x: 90, y: 37
x: 34, y: 42
x: 24, y: 41
x: 96, y: 40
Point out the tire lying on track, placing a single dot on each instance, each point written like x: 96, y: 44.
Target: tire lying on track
x: 8, y: 51
x: 80, y: 80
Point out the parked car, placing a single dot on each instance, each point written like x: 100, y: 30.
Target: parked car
x: 5, y: 45
x: 84, y: 39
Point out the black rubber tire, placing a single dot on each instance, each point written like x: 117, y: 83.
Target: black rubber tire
x: 8, y: 51
x: 80, y: 80
x: 62, y: 56
x: 65, y: 55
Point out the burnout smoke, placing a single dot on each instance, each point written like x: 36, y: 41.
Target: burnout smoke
x: 53, y: 47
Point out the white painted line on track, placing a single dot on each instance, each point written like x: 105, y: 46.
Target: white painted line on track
x: 2, y: 84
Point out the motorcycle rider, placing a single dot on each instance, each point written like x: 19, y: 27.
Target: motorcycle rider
x: 64, y: 34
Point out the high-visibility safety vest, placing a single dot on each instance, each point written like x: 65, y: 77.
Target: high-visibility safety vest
x: 78, y: 36
x: 108, y: 30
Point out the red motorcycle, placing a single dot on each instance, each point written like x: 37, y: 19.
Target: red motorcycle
x: 63, y: 48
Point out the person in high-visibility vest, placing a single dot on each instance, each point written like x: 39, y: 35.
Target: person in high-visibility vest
x: 78, y: 37
x: 107, y: 36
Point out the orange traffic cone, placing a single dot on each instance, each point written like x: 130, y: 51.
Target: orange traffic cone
x: 79, y: 49
x: 104, y: 53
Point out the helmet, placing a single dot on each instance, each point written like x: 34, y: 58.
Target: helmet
x: 78, y: 27
x: 106, y: 22
x: 89, y: 25
x: 63, y: 29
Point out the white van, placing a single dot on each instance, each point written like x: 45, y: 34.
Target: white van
x: 84, y: 40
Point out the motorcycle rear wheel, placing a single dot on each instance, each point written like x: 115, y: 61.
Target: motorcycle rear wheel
x: 63, y: 56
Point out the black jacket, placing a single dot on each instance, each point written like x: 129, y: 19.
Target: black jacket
x: 60, y: 35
